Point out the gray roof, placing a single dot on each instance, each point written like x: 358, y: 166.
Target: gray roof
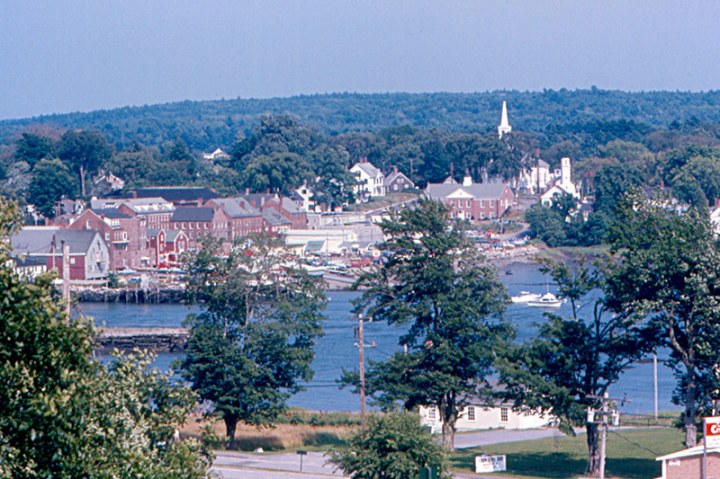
x: 440, y: 191
x: 237, y: 207
x: 112, y: 213
x: 38, y: 241
x: 394, y: 175
x: 274, y: 218
x: 192, y: 213
x: 368, y: 168
x: 170, y: 235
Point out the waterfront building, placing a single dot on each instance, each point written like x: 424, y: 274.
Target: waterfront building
x: 89, y: 255
x: 124, y: 234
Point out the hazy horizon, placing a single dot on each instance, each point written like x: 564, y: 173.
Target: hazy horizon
x: 77, y: 56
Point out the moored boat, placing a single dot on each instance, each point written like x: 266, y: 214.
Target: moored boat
x: 525, y: 296
x: 547, y: 300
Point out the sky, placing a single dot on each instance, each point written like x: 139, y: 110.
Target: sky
x: 83, y: 55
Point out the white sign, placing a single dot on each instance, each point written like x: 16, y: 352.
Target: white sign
x: 490, y: 463
x: 711, y: 428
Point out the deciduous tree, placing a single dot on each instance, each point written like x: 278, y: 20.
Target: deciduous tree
x: 668, y: 273
x: 251, y: 347
x: 393, y: 446
x: 573, y: 361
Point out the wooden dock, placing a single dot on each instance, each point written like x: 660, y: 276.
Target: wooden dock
x: 155, y: 339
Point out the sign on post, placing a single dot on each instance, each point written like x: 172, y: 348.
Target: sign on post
x: 490, y: 463
x: 711, y: 427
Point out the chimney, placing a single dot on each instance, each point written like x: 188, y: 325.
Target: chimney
x: 395, y: 169
x: 247, y: 191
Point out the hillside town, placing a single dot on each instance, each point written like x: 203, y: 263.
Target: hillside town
x: 148, y: 229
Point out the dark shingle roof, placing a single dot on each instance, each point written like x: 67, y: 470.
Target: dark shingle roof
x: 191, y: 213
x: 111, y: 213
x: 177, y: 193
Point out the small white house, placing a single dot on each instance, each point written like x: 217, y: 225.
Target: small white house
x: 562, y: 184
x: 371, y: 181
x: 479, y: 416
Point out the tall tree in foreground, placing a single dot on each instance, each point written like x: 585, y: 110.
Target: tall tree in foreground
x: 64, y: 415
x: 252, y: 345
x: 436, y: 283
x: 668, y: 272
x: 573, y: 361
x: 393, y: 446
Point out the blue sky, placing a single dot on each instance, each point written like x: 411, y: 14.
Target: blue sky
x: 71, y: 55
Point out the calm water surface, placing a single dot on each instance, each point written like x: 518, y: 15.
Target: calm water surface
x: 337, y: 351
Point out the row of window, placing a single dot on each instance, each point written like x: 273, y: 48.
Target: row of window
x: 504, y: 413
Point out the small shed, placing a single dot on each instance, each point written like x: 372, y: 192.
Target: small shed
x: 688, y: 464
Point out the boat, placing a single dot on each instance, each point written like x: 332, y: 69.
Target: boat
x: 547, y: 300
x: 525, y: 296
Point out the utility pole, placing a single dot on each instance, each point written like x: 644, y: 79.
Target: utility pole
x: 608, y: 410
x: 66, y: 278
x: 361, y: 349
x: 655, y: 383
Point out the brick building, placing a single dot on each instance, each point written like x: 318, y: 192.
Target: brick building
x: 123, y: 233
x: 470, y: 201
x: 197, y: 222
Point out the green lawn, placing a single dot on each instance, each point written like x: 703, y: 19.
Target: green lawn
x: 631, y: 455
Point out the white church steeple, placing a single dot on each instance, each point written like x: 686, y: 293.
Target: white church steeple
x: 504, y: 126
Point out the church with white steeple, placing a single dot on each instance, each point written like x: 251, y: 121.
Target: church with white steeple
x: 504, y: 126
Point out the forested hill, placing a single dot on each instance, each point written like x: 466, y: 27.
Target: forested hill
x: 204, y: 125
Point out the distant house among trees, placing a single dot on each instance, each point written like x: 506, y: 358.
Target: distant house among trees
x: 371, y: 181
x: 397, y: 181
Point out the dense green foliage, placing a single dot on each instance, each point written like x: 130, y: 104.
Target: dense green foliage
x: 203, y: 125
x: 252, y: 345
x: 64, y: 415
x: 436, y: 283
x: 392, y: 446
x: 668, y: 273
x: 574, y: 360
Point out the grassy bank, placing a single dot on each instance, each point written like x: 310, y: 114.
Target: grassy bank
x: 631, y: 455
x: 296, y: 429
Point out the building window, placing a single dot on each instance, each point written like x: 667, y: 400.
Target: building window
x: 471, y: 413
x: 503, y: 414
x: 431, y: 413
x: 467, y: 203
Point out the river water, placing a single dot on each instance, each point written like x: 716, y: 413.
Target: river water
x: 337, y: 351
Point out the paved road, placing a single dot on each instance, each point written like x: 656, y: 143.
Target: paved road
x: 234, y: 465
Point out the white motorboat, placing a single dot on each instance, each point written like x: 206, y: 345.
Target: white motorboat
x: 547, y: 300
x: 525, y: 297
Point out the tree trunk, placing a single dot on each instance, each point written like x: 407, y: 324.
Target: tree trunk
x: 449, y: 415
x: 230, y: 425
x: 593, y: 443
x: 690, y: 410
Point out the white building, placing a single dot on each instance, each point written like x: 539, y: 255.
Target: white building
x: 562, y: 185
x: 536, y: 179
x: 479, y: 416
x: 322, y: 241
x: 371, y: 181
x: 504, y: 126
